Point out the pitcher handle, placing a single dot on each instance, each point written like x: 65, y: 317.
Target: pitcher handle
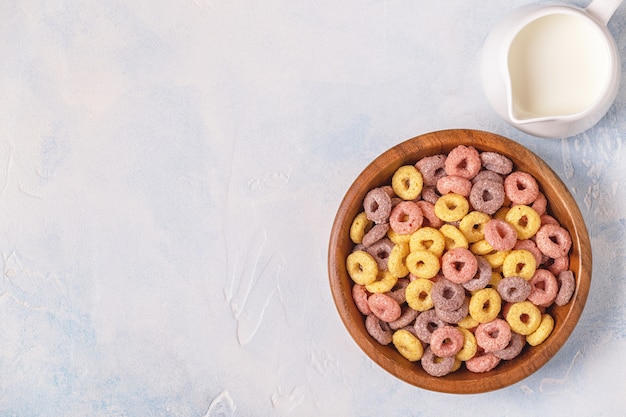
x: 603, y: 9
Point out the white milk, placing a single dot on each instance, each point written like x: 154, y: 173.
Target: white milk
x: 558, y: 65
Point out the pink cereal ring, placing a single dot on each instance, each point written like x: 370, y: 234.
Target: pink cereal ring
x: 360, y: 295
x: 544, y: 288
x: 446, y: 341
x: 482, y: 363
x: 567, y: 285
x: 378, y: 329
x: 435, y: 365
x: 430, y: 218
x: 547, y: 219
x: 531, y: 247
x: 499, y: 234
x: 463, y: 161
x: 553, y: 240
x: 454, y: 184
x: 521, y: 187
x: 540, y: 204
x: 558, y: 265
x: 384, y: 307
x: 406, y: 218
x: 459, y: 265
x: 493, y: 335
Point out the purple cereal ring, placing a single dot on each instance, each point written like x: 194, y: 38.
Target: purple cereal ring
x: 463, y: 161
x: 459, y: 265
x: 482, y: 363
x: 454, y: 316
x: 447, y: 295
x: 425, y: 323
x: 482, y: 276
x: 377, y: 205
x: 544, y: 288
x: 499, y: 234
x: 446, y: 341
x: 405, y: 218
x: 430, y: 194
x: 407, y: 317
x: 398, y: 292
x: 514, y: 289
x: 553, y: 240
x: 430, y: 218
x: 531, y: 247
x: 521, y: 187
x: 496, y: 162
x: 454, y: 184
x: 384, y: 307
x: 493, y: 335
x: 567, y: 284
x: 513, y: 349
x: 487, y: 196
x: 380, y: 252
x: 359, y: 295
x: 378, y: 329
x: 432, y: 168
x: 488, y: 176
x: 435, y: 365
x: 376, y: 233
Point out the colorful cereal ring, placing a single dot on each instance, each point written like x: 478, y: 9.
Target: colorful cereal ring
x: 408, y: 345
x: 419, y: 294
x: 361, y: 267
x: 407, y: 182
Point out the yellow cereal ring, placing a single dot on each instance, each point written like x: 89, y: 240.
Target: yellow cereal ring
x: 496, y: 277
x: 501, y: 213
x: 396, y: 263
x: 451, y: 207
x: 519, y: 263
x: 396, y: 238
x: 454, y: 237
x: 385, y: 281
x: 362, y: 267
x: 408, y: 345
x: 418, y: 294
x: 467, y: 322
x: 543, y: 331
x: 472, y: 225
x: 360, y: 226
x: 407, y: 182
x: 469, y: 345
x: 524, y: 220
x: 496, y: 259
x: 423, y: 264
x: 456, y: 366
x: 481, y: 248
x: 427, y: 238
x: 524, y: 317
x: 484, y: 305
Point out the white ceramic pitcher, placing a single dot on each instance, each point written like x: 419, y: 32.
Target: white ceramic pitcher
x: 552, y: 70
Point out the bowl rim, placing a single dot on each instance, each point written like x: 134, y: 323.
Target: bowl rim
x: 508, y: 372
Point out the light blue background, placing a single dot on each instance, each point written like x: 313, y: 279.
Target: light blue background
x: 169, y: 172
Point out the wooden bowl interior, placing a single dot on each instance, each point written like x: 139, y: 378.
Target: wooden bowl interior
x: 561, y: 205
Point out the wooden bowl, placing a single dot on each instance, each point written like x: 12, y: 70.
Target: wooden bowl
x: 561, y: 205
